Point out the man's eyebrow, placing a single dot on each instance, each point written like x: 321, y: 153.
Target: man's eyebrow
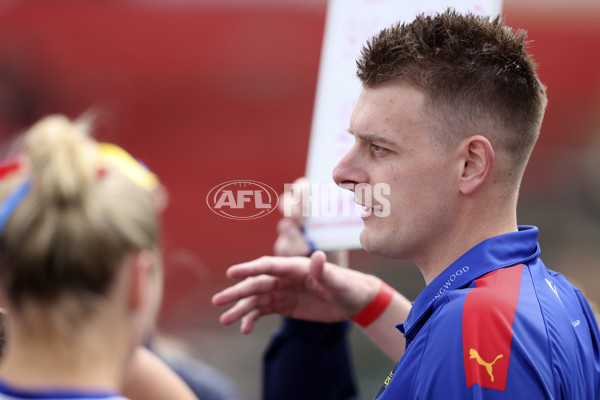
x: 372, y: 137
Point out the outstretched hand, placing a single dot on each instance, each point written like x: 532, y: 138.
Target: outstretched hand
x: 298, y: 287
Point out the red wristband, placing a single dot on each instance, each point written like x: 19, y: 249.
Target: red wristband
x: 376, y: 307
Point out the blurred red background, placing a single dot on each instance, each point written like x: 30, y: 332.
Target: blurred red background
x: 207, y: 92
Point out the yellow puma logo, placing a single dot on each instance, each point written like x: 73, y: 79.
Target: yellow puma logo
x: 473, y: 354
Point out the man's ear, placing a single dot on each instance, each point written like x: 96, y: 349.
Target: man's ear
x: 139, y: 280
x: 478, y: 159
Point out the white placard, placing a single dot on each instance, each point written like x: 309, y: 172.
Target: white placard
x: 348, y: 26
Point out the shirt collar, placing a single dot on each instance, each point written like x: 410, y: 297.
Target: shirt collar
x: 491, y: 254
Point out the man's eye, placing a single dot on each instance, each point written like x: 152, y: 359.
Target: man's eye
x: 378, y: 149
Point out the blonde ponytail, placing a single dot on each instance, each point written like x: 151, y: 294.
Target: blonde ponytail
x: 74, y: 225
x: 61, y: 160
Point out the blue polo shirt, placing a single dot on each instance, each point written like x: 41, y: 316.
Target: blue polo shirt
x: 497, y: 324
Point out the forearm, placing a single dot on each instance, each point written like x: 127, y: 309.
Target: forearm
x: 383, y: 332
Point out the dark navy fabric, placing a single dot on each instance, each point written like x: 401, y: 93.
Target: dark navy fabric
x: 309, y: 360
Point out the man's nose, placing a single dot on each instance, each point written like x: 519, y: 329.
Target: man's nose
x: 349, y: 171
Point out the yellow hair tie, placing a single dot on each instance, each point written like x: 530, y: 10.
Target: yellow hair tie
x: 134, y: 170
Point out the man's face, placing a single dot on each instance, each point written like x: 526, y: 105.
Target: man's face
x: 393, y: 145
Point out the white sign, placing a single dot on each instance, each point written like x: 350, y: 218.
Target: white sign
x: 349, y: 24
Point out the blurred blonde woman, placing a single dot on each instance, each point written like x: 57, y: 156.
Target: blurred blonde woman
x: 79, y: 270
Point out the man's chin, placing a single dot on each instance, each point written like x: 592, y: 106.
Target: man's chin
x: 371, y: 244
x: 379, y: 247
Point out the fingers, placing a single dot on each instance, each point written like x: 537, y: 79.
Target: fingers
x: 274, y: 266
x: 287, y: 226
x: 245, y: 307
x: 249, y: 287
x: 248, y: 310
x: 317, y: 264
x: 290, y: 241
x: 248, y: 321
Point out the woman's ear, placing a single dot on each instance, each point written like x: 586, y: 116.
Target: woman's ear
x: 139, y: 280
x: 478, y: 159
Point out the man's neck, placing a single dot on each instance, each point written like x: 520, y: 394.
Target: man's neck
x: 460, y: 239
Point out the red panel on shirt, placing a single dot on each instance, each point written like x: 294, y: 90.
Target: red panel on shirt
x: 488, y: 314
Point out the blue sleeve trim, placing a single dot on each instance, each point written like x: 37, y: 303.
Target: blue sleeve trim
x: 57, y: 393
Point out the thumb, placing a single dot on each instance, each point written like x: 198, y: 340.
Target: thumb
x: 317, y: 265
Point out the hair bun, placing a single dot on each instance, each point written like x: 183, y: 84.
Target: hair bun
x: 61, y: 160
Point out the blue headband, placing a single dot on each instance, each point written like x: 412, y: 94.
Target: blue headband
x: 12, y: 201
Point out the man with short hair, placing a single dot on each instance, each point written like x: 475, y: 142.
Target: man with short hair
x: 450, y: 110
